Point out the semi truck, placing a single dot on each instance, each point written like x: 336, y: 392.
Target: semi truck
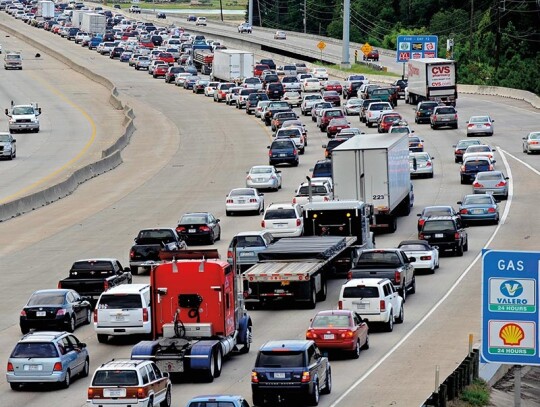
x: 76, y: 18
x: 297, y: 269
x: 45, y: 9
x: 93, y: 23
x: 232, y: 65
x: 431, y: 79
x: 202, y: 59
x: 375, y: 170
x: 198, y: 314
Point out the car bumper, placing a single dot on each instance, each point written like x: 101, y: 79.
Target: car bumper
x: 479, y: 217
x: 272, y: 388
x: 242, y: 207
x: 6, y: 153
x: 444, y: 245
x: 424, y: 264
x: 487, y: 132
x: 23, y: 126
x: 445, y: 123
x: 49, y: 324
x: 53, y: 377
x: 279, y: 233
x: 283, y: 160
x: 491, y: 191
x: 146, y: 328
x: 422, y: 171
x: 533, y: 147
x: 334, y: 344
x: 118, y: 402
x: 196, y: 237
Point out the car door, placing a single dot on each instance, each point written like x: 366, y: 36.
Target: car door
x: 392, y: 297
x: 360, y: 328
x: 320, y: 365
x: 79, y: 310
x: 70, y: 356
x: 158, y: 383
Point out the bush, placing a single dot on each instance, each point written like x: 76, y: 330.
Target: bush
x: 477, y: 394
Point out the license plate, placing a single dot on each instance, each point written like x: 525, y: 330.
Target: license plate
x: 439, y: 235
x: 445, y: 120
x: 246, y: 254
x: 479, y: 126
x: 282, y: 155
x: 33, y: 367
x: 260, y: 179
x: 241, y: 201
x: 279, y: 375
x: 328, y: 336
x: 281, y: 225
x: 360, y: 306
x: 114, y: 392
x: 191, y: 230
x: 40, y: 313
x: 119, y: 317
x: 477, y: 211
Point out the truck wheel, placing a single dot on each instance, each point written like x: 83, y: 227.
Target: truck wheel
x: 312, y: 303
x: 400, y: 318
x: 208, y: 375
x: 314, y: 397
x: 321, y: 295
x: 218, y: 359
x: 389, y: 326
x: 247, y: 346
x: 459, y: 251
x: 392, y: 226
x: 403, y: 293
x: 102, y: 338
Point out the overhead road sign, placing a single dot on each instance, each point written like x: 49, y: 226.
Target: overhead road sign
x: 416, y: 47
x: 510, y: 312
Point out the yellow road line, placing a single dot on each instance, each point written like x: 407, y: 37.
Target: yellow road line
x: 79, y: 155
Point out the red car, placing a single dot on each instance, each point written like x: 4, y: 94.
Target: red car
x: 339, y: 330
x: 373, y: 55
x: 147, y: 44
x: 332, y: 96
x: 336, y: 125
x: 387, y: 120
x: 259, y: 68
x: 333, y: 85
x: 166, y: 57
x: 160, y: 70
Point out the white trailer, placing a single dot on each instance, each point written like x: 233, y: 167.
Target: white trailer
x: 232, y: 65
x: 431, y: 79
x: 375, y: 169
x: 77, y: 16
x: 45, y: 9
x: 93, y: 23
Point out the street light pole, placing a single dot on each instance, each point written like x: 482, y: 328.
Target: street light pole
x: 221, y: 9
x: 250, y: 13
x: 345, y: 57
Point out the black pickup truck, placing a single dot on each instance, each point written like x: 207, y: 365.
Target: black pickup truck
x: 92, y: 277
x: 273, y: 108
x: 148, y: 243
x: 392, y: 264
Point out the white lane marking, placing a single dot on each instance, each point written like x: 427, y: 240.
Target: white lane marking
x: 438, y: 304
x: 520, y: 161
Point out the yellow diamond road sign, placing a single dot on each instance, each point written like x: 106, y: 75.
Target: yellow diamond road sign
x: 366, y: 48
x: 321, y: 45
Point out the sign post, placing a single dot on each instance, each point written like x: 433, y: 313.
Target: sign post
x: 321, y: 45
x: 416, y: 46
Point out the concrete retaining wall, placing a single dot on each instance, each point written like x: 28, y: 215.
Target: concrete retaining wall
x: 110, y: 157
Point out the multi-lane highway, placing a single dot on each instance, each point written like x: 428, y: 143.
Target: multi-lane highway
x: 187, y: 153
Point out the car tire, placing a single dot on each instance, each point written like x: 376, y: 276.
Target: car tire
x: 167, y: 400
x: 102, y: 338
x: 72, y: 324
x: 88, y: 317
x: 459, y: 251
x: 328, y: 382
x: 355, y: 354
x: 228, y: 213
x: 313, y: 398
x: 15, y: 386
x: 389, y: 326
x: 218, y: 360
x: 247, y: 346
x: 366, y: 345
x: 463, y: 181
x: 466, y: 245
x: 401, y: 317
x: 150, y: 402
x: 413, y: 285
x: 25, y: 330
x: 403, y: 293
x: 67, y: 380
x: 86, y: 368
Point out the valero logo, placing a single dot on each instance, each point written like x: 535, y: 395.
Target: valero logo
x: 511, y: 288
x: 512, y: 334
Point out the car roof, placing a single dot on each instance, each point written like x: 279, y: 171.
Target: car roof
x: 53, y: 290
x: 253, y: 233
x: 218, y: 397
x: 281, y: 206
x: 422, y: 242
x: 365, y: 281
x: 41, y: 336
x: 335, y: 312
x: 289, y: 344
x: 127, y: 289
x: 441, y: 217
x: 124, y: 364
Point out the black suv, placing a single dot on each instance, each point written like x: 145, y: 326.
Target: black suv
x: 270, y: 62
x: 275, y: 90
x: 273, y: 108
x: 423, y: 111
x: 472, y: 166
x: 290, y: 368
x: 253, y: 100
x: 283, y: 151
x: 445, y: 232
x: 351, y: 90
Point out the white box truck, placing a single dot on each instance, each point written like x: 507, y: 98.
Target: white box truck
x: 375, y: 169
x: 431, y: 79
x: 232, y: 65
x: 45, y: 9
x: 93, y: 23
x: 77, y: 16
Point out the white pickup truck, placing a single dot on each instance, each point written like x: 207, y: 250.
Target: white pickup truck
x: 23, y: 117
x: 135, y: 9
x: 374, y: 111
x: 320, y: 192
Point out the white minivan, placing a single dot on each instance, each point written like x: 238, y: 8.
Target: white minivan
x: 123, y: 310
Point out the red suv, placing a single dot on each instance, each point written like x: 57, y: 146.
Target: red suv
x: 373, y: 55
x: 259, y: 68
x: 329, y: 114
x: 387, y: 120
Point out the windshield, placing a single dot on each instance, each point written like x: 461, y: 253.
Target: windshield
x: 23, y: 110
x: 467, y: 143
x: 478, y: 149
x: 115, y: 378
x: 13, y: 56
x: 334, y: 113
x: 292, y: 133
x: 489, y: 176
x: 46, y: 299
x: 5, y: 137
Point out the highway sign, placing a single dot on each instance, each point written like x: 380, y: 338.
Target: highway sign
x: 416, y: 46
x: 366, y: 48
x: 510, y: 312
x: 321, y: 45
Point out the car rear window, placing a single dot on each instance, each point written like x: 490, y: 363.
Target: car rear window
x: 379, y: 257
x: 115, y: 378
x: 280, y: 214
x: 477, y: 200
x: 282, y: 358
x: 338, y: 321
x: 35, y: 350
x: 187, y: 220
x: 155, y: 236
x: 120, y: 301
x: 489, y: 176
x: 249, y: 241
x: 439, y: 225
x: 281, y: 145
x: 412, y: 247
x: 446, y: 110
x: 315, y: 190
x: 334, y: 113
x: 476, y: 163
x: 242, y: 192
x: 211, y: 404
x: 360, y: 292
x: 292, y: 133
x: 46, y: 299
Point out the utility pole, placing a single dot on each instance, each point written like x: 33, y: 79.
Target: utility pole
x: 498, y: 37
x: 305, y: 15
x: 221, y: 9
x: 471, y: 28
x: 345, y: 57
x: 250, y: 13
x: 259, y: 8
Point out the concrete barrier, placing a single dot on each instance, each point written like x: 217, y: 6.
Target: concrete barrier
x: 529, y: 97
x: 110, y: 157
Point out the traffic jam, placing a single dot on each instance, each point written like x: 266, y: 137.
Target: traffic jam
x: 326, y: 231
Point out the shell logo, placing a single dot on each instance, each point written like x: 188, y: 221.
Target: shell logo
x: 512, y: 334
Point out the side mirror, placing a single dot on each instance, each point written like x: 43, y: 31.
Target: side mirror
x: 127, y: 270
x: 278, y: 171
x: 506, y: 177
x: 217, y: 220
x: 454, y: 145
x: 268, y: 147
x: 165, y: 374
x: 412, y: 259
x: 459, y: 202
x: 14, y: 140
x: 492, y: 121
x: 523, y: 138
x: 493, y: 161
x: 7, y: 114
x: 324, y: 146
x: 82, y: 345
x: 418, y: 214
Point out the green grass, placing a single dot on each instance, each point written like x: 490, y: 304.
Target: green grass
x: 477, y: 394
x: 211, y: 5
x: 358, y: 68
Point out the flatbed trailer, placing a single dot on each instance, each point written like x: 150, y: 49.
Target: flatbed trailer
x: 296, y: 269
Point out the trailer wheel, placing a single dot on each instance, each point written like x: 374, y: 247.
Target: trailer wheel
x: 321, y: 295
x: 312, y: 303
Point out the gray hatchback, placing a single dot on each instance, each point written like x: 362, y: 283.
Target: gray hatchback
x: 492, y: 183
x: 47, y: 357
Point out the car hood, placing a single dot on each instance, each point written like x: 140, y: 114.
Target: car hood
x: 24, y: 116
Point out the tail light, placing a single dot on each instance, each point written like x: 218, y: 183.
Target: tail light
x: 298, y: 222
x: 435, y: 117
x: 23, y: 313
x: 463, y: 211
x: 418, y: 113
x: 105, y: 285
x: 252, y: 200
x: 425, y: 257
x: 145, y: 314
x: 59, y: 285
x: 492, y: 210
x: 455, y: 116
x: 262, y: 224
x: 270, y: 153
x: 254, y: 377
x: 10, y: 367
x: 421, y: 222
x: 349, y: 275
x: 295, y: 152
x: 501, y: 184
x: 421, y: 236
x: 470, y: 125
x: 311, y: 335
x: 96, y: 316
x: 382, y: 305
x: 294, y: 200
x: 141, y: 393
x: 229, y: 254
x: 306, y: 377
x: 533, y: 142
x: 428, y: 164
x: 204, y: 229
x: 229, y: 201
x: 397, y: 277
x: 340, y: 304
x: 90, y: 393
x: 180, y: 229
x: 61, y: 311
x: 132, y: 254
x: 477, y: 185
x: 326, y: 199
x: 347, y: 334
x: 57, y: 367
x: 456, y: 235
x: 487, y: 124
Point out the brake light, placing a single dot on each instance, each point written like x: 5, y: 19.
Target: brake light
x: 397, y: 276
x: 10, y: 367
x: 141, y: 393
x: 425, y: 257
x: 455, y: 116
x: 311, y: 335
x: 421, y: 222
x: 347, y: 334
x: 298, y: 223
x: 487, y: 124
x: 470, y: 125
x: 254, y: 377
x: 294, y: 200
x: 382, y: 305
x: 491, y: 210
x: 105, y: 285
x: 23, y: 313
x: 435, y: 117
x: 326, y: 199
x: 295, y: 152
x: 477, y: 185
x: 463, y: 211
x: 456, y: 235
x: 340, y: 305
x: 57, y: 367
x: 204, y: 229
x: 349, y: 275
x: 262, y: 223
x: 428, y: 164
x: 61, y: 311
x: 306, y: 377
x: 180, y: 229
x: 252, y: 200
x: 145, y: 314
x: 501, y: 184
x: 270, y: 153
x: 90, y: 393
x: 132, y: 254
x: 59, y: 285
x: 533, y: 142
x: 96, y: 316
x: 229, y: 201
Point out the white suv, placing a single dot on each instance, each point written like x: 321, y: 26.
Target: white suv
x: 283, y: 220
x: 295, y: 134
x: 375, y: 299
x: 123, y: 310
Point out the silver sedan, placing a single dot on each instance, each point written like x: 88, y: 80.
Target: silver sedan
x: 478, y: 125
x: 421, y: 164
x: 491, y: 182
x: 264, y: 177
x: 531, y: 143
